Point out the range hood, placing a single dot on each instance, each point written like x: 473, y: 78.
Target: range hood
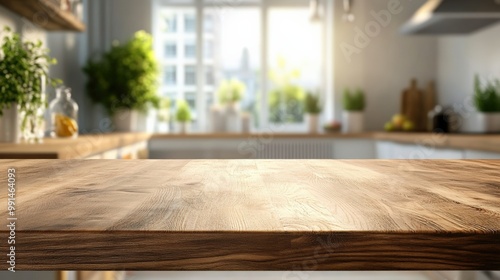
x: 453, y: 17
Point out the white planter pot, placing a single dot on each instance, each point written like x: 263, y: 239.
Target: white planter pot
x: 233, y: 118
x: 144, y: 122
x: 183, y: 127
x: 163, y: 127
x: 479, y: 122
x: 217, y: 117
x: 125, y: 121
x: 353, y: 122
x: 312, y: 123
x: 246, y: 123
x: 9, y: 125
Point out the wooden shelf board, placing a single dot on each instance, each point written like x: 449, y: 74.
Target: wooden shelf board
x: 45, y: 14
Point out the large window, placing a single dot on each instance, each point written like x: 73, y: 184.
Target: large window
x: 271, y: 46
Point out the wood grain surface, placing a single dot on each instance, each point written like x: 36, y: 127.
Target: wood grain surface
x: 65, y: 148
x: 255, y: 215
x: 46, y: 14
x: 412, y: 105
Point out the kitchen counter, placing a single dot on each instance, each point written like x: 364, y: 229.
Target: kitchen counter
x: 254, y: 215
x: 89, y: 145
x: 66, y: 148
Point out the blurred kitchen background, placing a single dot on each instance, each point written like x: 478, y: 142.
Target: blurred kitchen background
x: 253, y: 79
x: 250, y: 66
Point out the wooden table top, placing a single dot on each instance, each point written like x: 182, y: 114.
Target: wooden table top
x: 255, y: 215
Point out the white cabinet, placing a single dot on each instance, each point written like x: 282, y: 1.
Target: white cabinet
x: 302, y: 148
x: 135, y: 151
x: 354, y: 149
x: 481, y: 155
x: 458, y: 275
x: 392, y: 150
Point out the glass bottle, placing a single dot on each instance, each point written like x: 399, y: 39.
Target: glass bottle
x: 32, y: 116
x: 64, y: 114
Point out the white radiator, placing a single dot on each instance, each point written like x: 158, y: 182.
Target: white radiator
x: 261, y: 148
x: 296, y: 149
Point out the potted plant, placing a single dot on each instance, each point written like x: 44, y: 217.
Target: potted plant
x: 183, y: 116
x: 24, y: 67
x: 353, y: 116
x: 286, y: 99
x: 124, y: 81
x: 313, y: 108
x: 487, y: 103
x: 230, y: 93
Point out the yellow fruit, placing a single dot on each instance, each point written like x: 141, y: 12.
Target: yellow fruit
x: 398, y: 121
x: 389, y: 127
x: 408, y: 126
x: 65, y: 126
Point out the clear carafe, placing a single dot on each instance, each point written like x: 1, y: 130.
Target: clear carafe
x: 64, y: 115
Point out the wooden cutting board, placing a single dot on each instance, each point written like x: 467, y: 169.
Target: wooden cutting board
x: 429, y: 103
x: 416, y: 104
x: 412, y: 105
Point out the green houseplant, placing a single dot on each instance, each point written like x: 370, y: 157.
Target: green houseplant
x: 487, y: 103
x: 312, y: 107
x: 124, y: 80
x: 353, y: 116
x: 24, y: 67
x: 183, y: 116
x: 286, y: 100
x: 353, y: 101
x: 487, y: 97
x: 231, y: 91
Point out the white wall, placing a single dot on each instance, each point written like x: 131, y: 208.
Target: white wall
x: 129, y: 16
x: 384, y: 67
x: 22, y: 26
x: 461, y: 57
x: 71, y: 53
x: 8, y: 19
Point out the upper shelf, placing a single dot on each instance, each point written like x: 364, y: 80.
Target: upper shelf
x: 45, y: 14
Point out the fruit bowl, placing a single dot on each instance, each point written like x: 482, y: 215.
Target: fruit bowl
x: 332, y: 127
x: 399, y: 123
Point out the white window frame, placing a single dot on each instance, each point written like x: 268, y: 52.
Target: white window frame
x: 326, y: 89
